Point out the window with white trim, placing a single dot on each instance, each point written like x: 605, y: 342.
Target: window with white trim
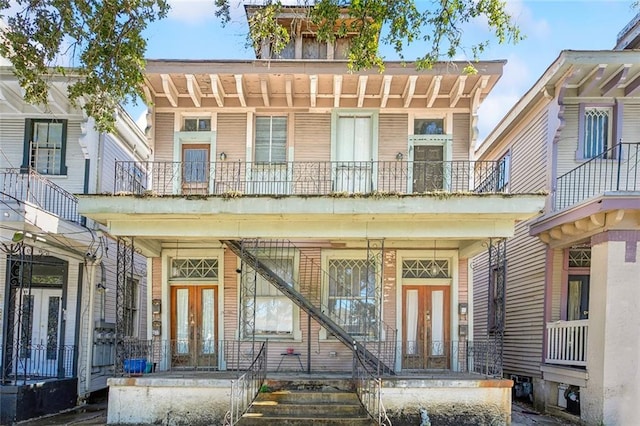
x: 271, y: 139
x: 597, y: 131
x: 45, y: 146
x: 196, y: 125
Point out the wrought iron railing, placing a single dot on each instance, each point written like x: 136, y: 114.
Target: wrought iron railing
x: 246, y: 387
x: 351, y: 314
x: 617, y: 169
x: 369, y: 389
x: 480, y: 356
x: 567, y: 342
x: 485, y: 357
x: 32, y: 187
x: 306, y: 178
x: 38, y: 362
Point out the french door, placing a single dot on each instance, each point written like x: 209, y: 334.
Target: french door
x: 425, y: 327
x: 193, y: 326
x: 195, y: 169
x: 428, y: 168
x: 353, y: 155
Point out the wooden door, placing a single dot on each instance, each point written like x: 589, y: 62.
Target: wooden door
x: 428, y: 167
x: 195, y: 169
x: 578, y: 300
x: 425, y: 327
x: 193, y: 326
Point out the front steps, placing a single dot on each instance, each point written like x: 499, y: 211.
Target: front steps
x: 305, y: 404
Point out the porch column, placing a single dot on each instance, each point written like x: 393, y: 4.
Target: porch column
x: 613, y: 386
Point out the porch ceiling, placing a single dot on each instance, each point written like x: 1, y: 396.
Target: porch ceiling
x: 460, y: 218
x: 315, y: 84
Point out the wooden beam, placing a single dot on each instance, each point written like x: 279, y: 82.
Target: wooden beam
x: 169, y: 89
x: 313, y: 89
x: 617, y: 81
x: 288, y: 87
x: 614, y: 217
x: 633, y: 87
x: 264, y: 89
x: 240, y: 89
x: 433, y: 90
x: 337, y: 90
x: 362, y: 89
x: 598, y: 219
x: 409, y: 90
x: 217, y: 89
x: 457, y: 90
x: 194, y: 90
x: 384, y: 90
x: 476, y: 92
x: 147, y: 94
x: 591, y: 80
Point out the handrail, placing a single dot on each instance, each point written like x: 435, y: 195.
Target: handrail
x: 246, y: 387
x: 369, y: 390
x: 616, y: 169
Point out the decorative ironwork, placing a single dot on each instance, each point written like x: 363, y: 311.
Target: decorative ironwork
x: 124, y: 280
x: 497, y: 284
x: 53, y: 324
x: 246, y: 387
x: 194, y: 268
x: 426, y: 268
x: 616, y: 169
x: 580, y: 257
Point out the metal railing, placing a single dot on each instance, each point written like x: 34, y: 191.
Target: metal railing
x: 306, y: 178
x: 480, y: 356
x: 369, y: 389
x: 350, y: 314
x: 485, y: 357
x: 32, y: 187
x: 38, y: 362
x: 246, y: 387
x: 617, y: 169
x: 567, y: 342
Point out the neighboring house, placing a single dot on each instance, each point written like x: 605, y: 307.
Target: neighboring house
x: 570, y: 340
x: 57, y: 269
x: 292, y: 201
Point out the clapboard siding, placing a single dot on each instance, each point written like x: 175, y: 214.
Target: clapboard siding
x: 557, y: 282
x: 312, y: 137
x: 461, y: 136
x: 392, y: 137
x: 232, y: 136
x: 480, y: 296
x: 568, y: 142
x: 12, y: 142
x: 112, y: 151
x: 164, y: 127
x: 529, y: 157
x: 75, y: 162
x: 631, y: 124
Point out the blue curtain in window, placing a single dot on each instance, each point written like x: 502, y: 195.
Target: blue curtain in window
x: 596, y: 132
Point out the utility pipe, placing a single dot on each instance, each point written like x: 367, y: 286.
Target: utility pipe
x: 91, y: 325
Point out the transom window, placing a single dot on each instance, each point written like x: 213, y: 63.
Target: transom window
x: 428, y: 126
x: 271, y: 139
x: 194, y: 268
x: 425, y: 268
x: 197, y: 125
x: 45, y: 146
x: 597, y: 131
x: 352, y: 296
x: 580, y: 257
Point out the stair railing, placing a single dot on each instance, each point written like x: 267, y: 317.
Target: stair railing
x: 271, y: 259
x: 246, y: 387
x: 369, y: 389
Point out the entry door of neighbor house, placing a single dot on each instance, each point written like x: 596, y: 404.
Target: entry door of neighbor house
x: 39, y: 327
x: 193, y: 326
x: 578, y: 298
x: 353, y: 154
x: 195, y: 169
x: 425, y: 327
x: 428, y: 168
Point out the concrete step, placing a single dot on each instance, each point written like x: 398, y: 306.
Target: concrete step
x: 304, y: 421
x: 311, y: 397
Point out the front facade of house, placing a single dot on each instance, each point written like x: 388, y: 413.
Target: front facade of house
x: 291, y: 201
x: 57, y: 269
x: 572, y: 273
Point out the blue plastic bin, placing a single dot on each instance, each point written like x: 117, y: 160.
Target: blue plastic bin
x: 135, y: 365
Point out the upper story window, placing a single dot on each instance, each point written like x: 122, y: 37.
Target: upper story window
x: 197, y: 125
x: 271, y: 139
x: 428, y: 126
x: 45, y: 146
x: 597, y: 131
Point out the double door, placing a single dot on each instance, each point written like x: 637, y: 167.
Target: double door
x: 194, y: 342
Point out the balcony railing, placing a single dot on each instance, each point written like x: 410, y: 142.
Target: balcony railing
x: 617, y: 169
x: 306, y: 178
x: 32, y: 187
x: 567, y: 342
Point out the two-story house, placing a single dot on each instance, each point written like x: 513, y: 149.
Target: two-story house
x: 58, y: 269
x: 572, y: 292
x: 331, y: 214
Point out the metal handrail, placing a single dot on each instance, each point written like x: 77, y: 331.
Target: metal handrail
x: 369, y: 389
x: 246, y: 387
x: 306, y: 178
x: 616, y: 169
x: 32, y: 187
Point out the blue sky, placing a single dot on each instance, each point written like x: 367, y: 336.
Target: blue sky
x: 191, y: 31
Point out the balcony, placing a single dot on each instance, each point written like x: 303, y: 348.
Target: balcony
x: 567, y: 343
x: 31, y: 187
x: 306, y: 178
x: 615, y: 170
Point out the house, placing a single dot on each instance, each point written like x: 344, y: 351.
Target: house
x: 299, y: 217
x: 57, y: 268
x: 572, y: 273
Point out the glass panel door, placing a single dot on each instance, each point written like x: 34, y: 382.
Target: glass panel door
x: 195, y: 169
x: 353, y: 155
x: 578, y: 298
x: 428, y: 168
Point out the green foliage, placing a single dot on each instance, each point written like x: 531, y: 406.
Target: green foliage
x: 101, y: 40
x: 265, y: 31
